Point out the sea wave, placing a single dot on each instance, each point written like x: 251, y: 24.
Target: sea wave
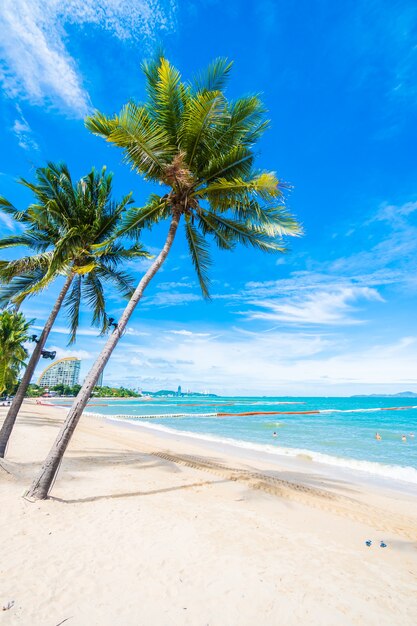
x: 397, y: 472
x: 369, y: 410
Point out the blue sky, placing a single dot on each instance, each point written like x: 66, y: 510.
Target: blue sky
x: 334, y: 316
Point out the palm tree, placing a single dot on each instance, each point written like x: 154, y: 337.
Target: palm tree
x: 199, y: 145
x: 13, y: 334
x: 65, y: 228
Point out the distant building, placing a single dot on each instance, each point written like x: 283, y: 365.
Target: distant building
x: 63, y: 372
x: 179, y: 390
x: 100, y: 380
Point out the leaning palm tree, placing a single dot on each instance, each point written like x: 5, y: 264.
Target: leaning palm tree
x: 64, y: 229
x: 14, y: 332
x: 190, y: 138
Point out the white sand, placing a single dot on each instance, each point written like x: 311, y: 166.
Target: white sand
x: 131, y: 538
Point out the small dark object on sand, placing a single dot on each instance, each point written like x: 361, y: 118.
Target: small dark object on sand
x: 8, y: 606
x: 368, y: 543
x: 382, y: 544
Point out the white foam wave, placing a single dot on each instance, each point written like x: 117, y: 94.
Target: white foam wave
x: 397, y: 472
x: 371, y: 410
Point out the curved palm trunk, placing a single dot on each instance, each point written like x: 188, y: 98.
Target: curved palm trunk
x: 43, y: 482
x: 11, y: 416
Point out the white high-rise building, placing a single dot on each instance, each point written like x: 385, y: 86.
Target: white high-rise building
x: 63, y: 372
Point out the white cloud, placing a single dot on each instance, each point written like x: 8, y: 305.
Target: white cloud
x: 165, y: 299
x: 275, y: 362
x: 320, y: 307
x: 62, y: 353
x: 394, y: 250
x: 61, y: 330
x: 37, y: 65
x: 167, y: 286
x: 7, y: 221
x: 23, y: 132
x: 394, y: 214
x: 188, y: 333
x: 132, y: 332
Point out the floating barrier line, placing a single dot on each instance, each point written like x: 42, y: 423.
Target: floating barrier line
x: 390, y: 408
x: 269, y: 413
x: 158, y: 416
x: 246, y: 413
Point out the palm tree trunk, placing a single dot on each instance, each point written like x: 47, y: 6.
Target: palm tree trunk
x: 12, y: 413
x: 43, y: 482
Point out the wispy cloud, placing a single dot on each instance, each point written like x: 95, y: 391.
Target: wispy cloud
x: 23, y: 132
x: 167, y: 286
x: 61, y: 330
x: 62, y: 353
x: 241, y: 361
x: 318, y: 308
x: 329, y: 294
x: 394, y: 247
x: 395, y: 215
x: 381, y: 36
x: 7, y: 221
x: 188, y: 333
x: 37, y: 65
x: 166, y: 299
x: 133, y: 332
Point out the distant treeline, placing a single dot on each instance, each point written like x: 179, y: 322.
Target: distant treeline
x: 170, y: 392
x: 35, y: 391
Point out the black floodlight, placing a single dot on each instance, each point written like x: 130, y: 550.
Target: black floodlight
x: 46, y: 354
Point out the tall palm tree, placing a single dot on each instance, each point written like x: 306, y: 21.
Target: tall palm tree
x: 14, y: 330
x: 65, y: 229
x: 199, y: 145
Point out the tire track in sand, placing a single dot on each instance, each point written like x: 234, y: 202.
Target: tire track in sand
x: 344, y: 506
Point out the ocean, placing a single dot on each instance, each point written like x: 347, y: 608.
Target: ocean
x: 334, y: 431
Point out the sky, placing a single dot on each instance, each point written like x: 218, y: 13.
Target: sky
x: 336, y: 315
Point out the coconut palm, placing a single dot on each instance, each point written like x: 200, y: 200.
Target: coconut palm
x: 13, y: 334
x: 198, y: 144
x: 64, y: 229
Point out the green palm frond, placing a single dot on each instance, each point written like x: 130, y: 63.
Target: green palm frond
x: 11, y: 269
x: 165, y: 96
x: 189, y: 137
x: 236, y: 163
x: 204, y: 114
x: 100, y: 124
x: 20, y: 287
x: 94, y: 296
x: 146, y: 145
x: 245, y: 233
x: 215, y: 77
x: 276, y: 221
x: 123, y: 282
x: 109, y: 223
x: 208, y: 227
x: 247, y: 121
x: 115, y: 254
x: 72, y: 227
x: 136, y: 219
x: 8, y: 208
x: 31, y: 239
x: 199, y: 251
x: 222, y: 192
x: 14, y: 330
x: 73, y: 305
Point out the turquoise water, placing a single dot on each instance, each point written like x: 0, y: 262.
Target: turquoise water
x: 343, y: 433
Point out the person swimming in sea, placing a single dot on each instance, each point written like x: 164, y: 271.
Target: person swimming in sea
x: 274, y: 434
x: 378, y: 437
x: 403, y: 438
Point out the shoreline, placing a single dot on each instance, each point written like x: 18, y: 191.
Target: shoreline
x: 370, y: 473
x: 148, y: 527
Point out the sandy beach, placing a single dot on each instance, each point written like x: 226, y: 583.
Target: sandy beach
x: 147, y: 529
